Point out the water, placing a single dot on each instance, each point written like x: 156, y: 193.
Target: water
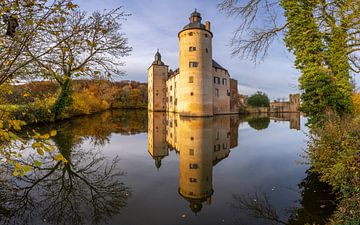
x: 132, y: 168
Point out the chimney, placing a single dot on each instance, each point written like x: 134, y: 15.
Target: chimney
x: 207, y: 25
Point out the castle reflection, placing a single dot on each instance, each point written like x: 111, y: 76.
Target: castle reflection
x: 293, y: 118
x: 201, y: 144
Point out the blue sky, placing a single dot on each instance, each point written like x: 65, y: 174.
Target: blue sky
x: 155, y: 24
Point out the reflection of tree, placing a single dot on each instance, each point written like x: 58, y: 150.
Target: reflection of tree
x: 85, y: 190
x: 259, y: 123
x: 99, y: 127
x: 317, y: 204
x: 257, y: 206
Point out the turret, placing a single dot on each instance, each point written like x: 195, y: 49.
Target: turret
x: 157, y: 75
x: 195, y: 93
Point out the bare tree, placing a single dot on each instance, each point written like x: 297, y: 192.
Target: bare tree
x: 260, y: 23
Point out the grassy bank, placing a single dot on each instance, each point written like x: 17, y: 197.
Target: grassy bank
x: 34, y: 102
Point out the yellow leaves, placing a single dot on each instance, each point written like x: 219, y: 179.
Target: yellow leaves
x: 21, y: 169
x: 53, y: 133
x: 40, y: 151
x: 62, y: 19
x: 59, y: 157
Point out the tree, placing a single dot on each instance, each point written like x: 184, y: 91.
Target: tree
x: 20, y: 27
x: 259, y: 99
x: 322, y: 34
x: 94, y: 49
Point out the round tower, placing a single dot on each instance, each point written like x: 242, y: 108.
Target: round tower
x: 195, y: 92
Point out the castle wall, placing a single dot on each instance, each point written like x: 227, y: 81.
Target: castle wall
x: 195, y: 95
x: 171, y: 93
x: 221, y: 91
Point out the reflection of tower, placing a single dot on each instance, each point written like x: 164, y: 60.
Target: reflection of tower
x: 158, y: 148
x: 195, y: 93
x: 157, y: 75
x: 196, y: 153
x: 295, y: 121
x: 202, y: 142
x: 206, y: 145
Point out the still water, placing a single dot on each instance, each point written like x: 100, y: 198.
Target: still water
x: 139, y: 168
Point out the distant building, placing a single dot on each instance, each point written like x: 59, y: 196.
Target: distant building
x: 201, y: 86
x: 293, y: 105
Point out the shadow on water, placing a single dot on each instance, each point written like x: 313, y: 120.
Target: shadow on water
x: 86, y: 190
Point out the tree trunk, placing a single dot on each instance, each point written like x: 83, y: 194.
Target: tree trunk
x: 64, y: 99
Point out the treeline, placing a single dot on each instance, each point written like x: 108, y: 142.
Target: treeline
x: 33, y: 102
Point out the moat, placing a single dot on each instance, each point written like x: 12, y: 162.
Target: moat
x: 135, y: 167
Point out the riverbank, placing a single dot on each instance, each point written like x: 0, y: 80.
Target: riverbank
x: 34, y: 102
x: 334, y: 153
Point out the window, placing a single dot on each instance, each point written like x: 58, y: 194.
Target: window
x: 225, y: 146
x: 191, y: 79
x: 192, y: 180
x: 170, y: 88
x: 207, y: 50
x: 217, y: 135
x: 191, y: 151
x: 206, y: 35
x: 192, y: 93
x: 216, y: 148
x: 227, y: 92
x: 175, y: 102
x: 193, y: 166
x: 170, y: 98
x: 193, y: 64
x: 216, y: 80
x: 224, y: 81
x: 216, y: 92
x: 191, y: 49
x: 191, y: 33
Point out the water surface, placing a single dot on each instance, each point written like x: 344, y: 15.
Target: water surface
x: 132, y: 168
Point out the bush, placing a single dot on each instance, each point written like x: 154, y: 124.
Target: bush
x: 259, y: 99
x: 334, y: 152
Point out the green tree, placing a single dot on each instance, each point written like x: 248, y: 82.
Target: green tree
x: 259, y: 99
x: 322, y: 34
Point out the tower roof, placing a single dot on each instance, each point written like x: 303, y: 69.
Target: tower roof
x: 157, y: 60
x: 195, y: 21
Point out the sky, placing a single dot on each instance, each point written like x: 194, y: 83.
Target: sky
x: 154, y: 24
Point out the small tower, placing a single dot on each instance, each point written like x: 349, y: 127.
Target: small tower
x: 294, y: 102
x: 195, y: 93
x: 157, y: 75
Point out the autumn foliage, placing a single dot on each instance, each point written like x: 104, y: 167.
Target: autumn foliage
x: 32, y: 102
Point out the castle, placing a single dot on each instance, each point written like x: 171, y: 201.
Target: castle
x: 200, y: 86
x: 293, y: 105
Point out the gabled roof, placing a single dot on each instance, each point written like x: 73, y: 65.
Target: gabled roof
x: 217, y: 65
